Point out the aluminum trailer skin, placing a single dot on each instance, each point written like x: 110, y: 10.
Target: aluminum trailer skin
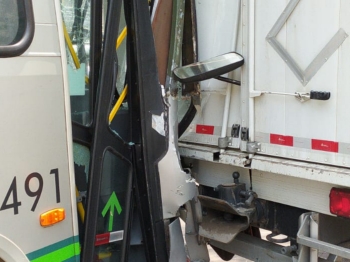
x: 268, y: 145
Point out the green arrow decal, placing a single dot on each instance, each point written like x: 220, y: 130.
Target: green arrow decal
x: 111, y: 203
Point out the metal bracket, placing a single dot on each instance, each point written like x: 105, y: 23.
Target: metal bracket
x: 82, y: 194
x: 253, y: 147
x: 233, y: 141
x: 224, y: 142
x: 223, y: 228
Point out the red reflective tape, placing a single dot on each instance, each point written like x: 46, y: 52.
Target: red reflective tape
x: 323, y: 145
x: 102, y: 239
x: 281, y: 140
x: 203, y: 129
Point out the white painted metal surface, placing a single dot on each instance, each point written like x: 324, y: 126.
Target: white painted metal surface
x: 177, y: 186
x: 35, y: 137
x: 303, y: 35
x: 313, y: 131
x: 318, y: 128
x: 216, y: 21
x: 305, y: 146
x: 217, y: 34
x: 10, y: 252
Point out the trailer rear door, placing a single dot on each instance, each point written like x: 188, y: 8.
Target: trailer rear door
x: 302, y: 46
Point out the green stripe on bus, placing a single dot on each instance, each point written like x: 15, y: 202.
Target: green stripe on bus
x: 65, y: 250
x: 63, y: 254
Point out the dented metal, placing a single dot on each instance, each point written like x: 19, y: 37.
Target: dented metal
x: 177, y: 187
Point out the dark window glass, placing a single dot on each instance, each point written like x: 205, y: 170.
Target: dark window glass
x: 12, y: 21
x: 16, y: 27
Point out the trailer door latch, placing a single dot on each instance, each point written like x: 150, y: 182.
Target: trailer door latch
x: 300, y: 96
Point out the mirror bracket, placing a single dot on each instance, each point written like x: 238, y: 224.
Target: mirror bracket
x: 228, y: 80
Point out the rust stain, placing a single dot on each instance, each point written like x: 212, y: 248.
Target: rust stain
x: 161, y: 27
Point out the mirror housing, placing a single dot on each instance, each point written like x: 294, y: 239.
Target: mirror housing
x: 211, y: 68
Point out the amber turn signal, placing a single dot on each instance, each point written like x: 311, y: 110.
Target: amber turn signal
x: 52, y: 217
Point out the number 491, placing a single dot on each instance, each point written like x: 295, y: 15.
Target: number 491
x: 37, y: 193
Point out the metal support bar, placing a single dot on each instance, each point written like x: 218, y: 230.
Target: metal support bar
x: 254, y: 249
x: 211, y: 154
x: 305, y: 240
x: 228, y: 80
x: 301, y: 96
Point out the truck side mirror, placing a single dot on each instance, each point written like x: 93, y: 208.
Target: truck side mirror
x: 211, y: 68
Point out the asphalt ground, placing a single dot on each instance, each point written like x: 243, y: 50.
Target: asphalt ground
x: 212, y: 254
x: 215, y: 258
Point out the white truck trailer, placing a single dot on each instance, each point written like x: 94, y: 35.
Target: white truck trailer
x: 280, y: 129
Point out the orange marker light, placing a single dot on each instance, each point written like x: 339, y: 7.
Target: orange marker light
x: 52, y: 217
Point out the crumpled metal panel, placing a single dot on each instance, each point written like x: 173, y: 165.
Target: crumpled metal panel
x: 177, y: 187
x: 177, y: 246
